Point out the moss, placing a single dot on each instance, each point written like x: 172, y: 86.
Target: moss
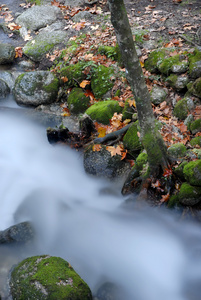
x: 172, y: 79
x: 173, y: 202
x: 196, y: 141
x: 103, y: 111
x: 195, y: 126
x: 110, y: 52
x: 45, y: 277
x: 192, y: 172
x: 195, y: 88
x: 189, y: 195
x: 53, y: 87
x: 154, y: 59
x: 74, y: 74
x: 141, y: 160
x: 177, y: 150
x: 195, y: 64
x: 37, y: 50
x: 181, y: 109
x: 127, y: 111
x: 166, y: 65
x: 77, y: 101
x: 101, y: 80
x: 131, y: 140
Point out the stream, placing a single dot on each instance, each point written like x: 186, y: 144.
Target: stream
x: 148, y: 253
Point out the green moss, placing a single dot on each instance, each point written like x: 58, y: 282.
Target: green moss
x: 37, y: 50
x: 77, y: 101
x: 172, y: 79
x: 102, y: 80
x: 181, y: 109
x: 74, y: 74
x: 195, y: 126
x: 127, y: 111
x: 195, y: 88
x: 195, y: 64
x: 166, y: 65
x: 45, y: 277
x: 110, y: 52
x: 196, y: 141
x: 53, y: 87
x: 131, y: 140
x: 192, y: 172
x: 154, y: 59
x: 179, y: 170
x: 141, y: 160
x: 173, y: 202
x: 177, y: 150
x: 189, y: 195
x: 103, y: 111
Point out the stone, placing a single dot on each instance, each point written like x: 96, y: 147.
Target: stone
x: 18, y: 233
x: 102, y: 80
x: 47, y: 277
x: 7, y: 53
x: 36, y: 88
x: 189, y: 195
x: 183, y: 107
x: 178, y: 82
x: 155, y: 59
x: 4, y: 89
x: 195, y: 126
x: 158, y: 95
x: 195, y: 64
x: 192, y: 172
x: 195, y: 87
x: 177, y: 150
x: 77, y: 101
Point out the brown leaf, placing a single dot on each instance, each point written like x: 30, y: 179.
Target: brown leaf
x: 97, y: 147
x: 114, y: 151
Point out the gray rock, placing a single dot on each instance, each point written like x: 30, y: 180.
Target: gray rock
x: 178, y: 82
x: 188, y: 120
x: 8, y: 77
x: 21, y: 232
x: 26, y: 65
x: 7, y: 53
x: 37, y: 17
x: 74, y: 2
x: 4, y: 89
x: 36, y: 88
x: 82, y: 15
x: 179, y: 68
x: 158, y: 95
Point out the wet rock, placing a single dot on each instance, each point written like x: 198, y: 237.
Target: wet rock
x: 189, y: 195
x: 7, y: 53
x: 47, y: 277
x: 102, y: 164
x: 21, y: 232
x: 26, y: 65
x: 36, y: 88
x: 158, y: 95
x: 37, y: 17
x: 4, y: 89
x: 9, y: 78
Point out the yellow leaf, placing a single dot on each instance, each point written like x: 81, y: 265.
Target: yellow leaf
x: 132, y: 103
x: 84, y: 83
x: 101, y: 131
x: 142, y: 64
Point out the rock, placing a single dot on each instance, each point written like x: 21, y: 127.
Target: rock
x: 196, y: 141
x: 110, y: 52
x: 131, y: 140
x: 43, y: 43
x: 103, y: 111
x: 179, y: 170
x: 47, y: 277
x: 77, y: 101
x: 9, y: 78
x: 18, y: 233
x: 82, y: 15
x: 167, y: 64
x: 102, y: 164
x: 7, y: 53
x: 183, y: 107
x: 155, y: 59
x: 26, y: 65
x: 189, y: 195
x: 192, y: 172
x: 195, y: 88
x: 37, y: 17
x: 158, y: 95
x: 36, y: 88
x: 195, y: 64
x: 4, y: 89
x: 74, y: 74
x: 180, y: 67
x: 102, y: 80
x: 178, y: 82
x: 195, y: 126
x: 177, y: 150
x: 74, y: 2
x: 189, y: 119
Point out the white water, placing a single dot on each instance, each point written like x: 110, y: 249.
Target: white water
x: 146, y: 252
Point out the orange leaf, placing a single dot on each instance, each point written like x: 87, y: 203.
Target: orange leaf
x: 101, y: 131
x: 167, y: 172
x: 114, y: 151
x: 79, y: 26
x: 84, y: 83
x: 123, y: 154
x: 64, y: 79
x: 156, y: 184
x: 165, y: 198
x: 96, y: 147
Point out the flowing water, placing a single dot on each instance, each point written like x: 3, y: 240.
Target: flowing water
x: 146, y: 252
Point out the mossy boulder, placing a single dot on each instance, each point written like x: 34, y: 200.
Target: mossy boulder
x: 195, y: 126
x: 155, y: 59
x: 192, y: 172
x: 36, y: 88
x: 183, y: 107
x: 196, y: 141
x: 166, y: 65
x: 131, y: 140
x: 103, y: 164
x: 195, y: 88
x: 77, y: 101
x: 141, y: 160
x: 73, y: 73
x: 7, y: 53
x: 102, y: 80
x: 195, y: 64
x: 46, y: 277
x: 177, y: 150
x: 189, y: 195
x: 158, y: 95
x: 177, y: 82
x: 180, y: 67
x: 110, y: 52
x: 103, y: 111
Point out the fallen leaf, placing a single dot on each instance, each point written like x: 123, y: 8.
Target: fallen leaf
x: 97, y: 147
x: 84, y: 83
x: 114, y: 151
x: 64, y: 79
x: 165, y: 198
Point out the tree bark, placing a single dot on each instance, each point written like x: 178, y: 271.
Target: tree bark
x: 149, y: 135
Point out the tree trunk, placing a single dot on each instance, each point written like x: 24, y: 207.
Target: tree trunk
x: 149, y: 135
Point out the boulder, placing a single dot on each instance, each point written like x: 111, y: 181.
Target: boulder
x: 73, y: 73
x: 158, y: 95
x: 102, y: 80
x: 4, y: 89
x: 189, y: 195
x: 78, y: 102
x: 195, y: 87
x: 18, y: 233
x: 177, y: 150
x: 155, y: 59
x: 167, y: 64
x: 7, y: 53
x: 177, y: 82
x: 195, y: 126
x: 195, y: 64
x: 192, y: 172
x: 36, y: 88
x: 183, y: 107
x: 47, y: 277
